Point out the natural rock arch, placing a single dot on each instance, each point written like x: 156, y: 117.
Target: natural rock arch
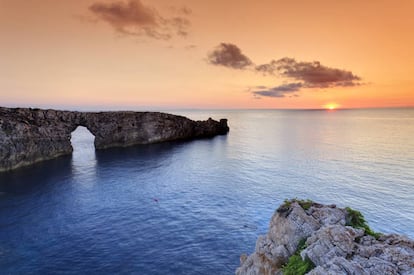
x: 31, y: 135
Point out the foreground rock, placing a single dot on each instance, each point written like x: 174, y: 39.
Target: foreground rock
x: 31, y: 135
x: 330, y: 245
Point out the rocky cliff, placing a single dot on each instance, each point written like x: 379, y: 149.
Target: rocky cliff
x: 311, y: 238
x: 31, y: 135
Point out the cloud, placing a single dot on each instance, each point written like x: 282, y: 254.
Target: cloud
x: 279, y: 91
x: 179, y: 24
x: 135, y: 18
x: 306, y: 74
x: 229, y: 55
x: 268, y: 68
x: 313, y: 74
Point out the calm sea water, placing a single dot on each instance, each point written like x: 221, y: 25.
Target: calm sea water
x: 194, y: 207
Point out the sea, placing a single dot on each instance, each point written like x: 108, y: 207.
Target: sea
x: 194, y: 207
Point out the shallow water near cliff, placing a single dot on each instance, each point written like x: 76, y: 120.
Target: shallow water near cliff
x: 194, y: 207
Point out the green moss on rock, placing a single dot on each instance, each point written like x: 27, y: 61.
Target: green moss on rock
x: 296, y: 265
x: 357, y: 220
x: 305, y: 204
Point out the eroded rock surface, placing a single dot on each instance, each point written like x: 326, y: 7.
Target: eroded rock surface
x: 31, y: 135
x: 333, y: 247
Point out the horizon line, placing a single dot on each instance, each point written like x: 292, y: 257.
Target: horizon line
x: 159, y: 108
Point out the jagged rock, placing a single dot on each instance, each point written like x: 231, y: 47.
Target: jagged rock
x: 329, y: 242
x: 333, y: 247
x: 288, y: 226
x: 31, y: 135
x: 327, y: 215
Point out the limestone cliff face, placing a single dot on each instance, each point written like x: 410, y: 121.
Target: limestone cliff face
x: 31, y: 135
x: 333, y: 247
x: 120, y: 129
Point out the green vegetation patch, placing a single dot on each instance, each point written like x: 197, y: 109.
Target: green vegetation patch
x: 296, y: 265
x: 305, y: 204
x: 357, y: 220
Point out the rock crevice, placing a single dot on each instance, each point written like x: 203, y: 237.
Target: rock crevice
x: 31, y: 135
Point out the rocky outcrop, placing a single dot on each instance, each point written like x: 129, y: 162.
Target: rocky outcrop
x: 31, y: 135
x: 331, y: 244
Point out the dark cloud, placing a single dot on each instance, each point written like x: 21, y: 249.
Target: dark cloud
x: 229, y: 55
x: 135, y: 18
x: 307, y: 74
x: 268, y: 68
x: 279, y: 91
x: 313, y: 74
x: 316, y: 75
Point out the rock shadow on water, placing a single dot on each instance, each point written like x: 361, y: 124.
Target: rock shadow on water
x: 147, y: 156
x: 45, y: 174
x: 37, y: 176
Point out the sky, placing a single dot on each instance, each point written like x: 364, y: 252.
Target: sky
x: 166, y: 54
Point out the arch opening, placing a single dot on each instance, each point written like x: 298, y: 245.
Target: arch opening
x: 82, y: 141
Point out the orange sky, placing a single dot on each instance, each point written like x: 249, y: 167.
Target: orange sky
x: 155, y: 54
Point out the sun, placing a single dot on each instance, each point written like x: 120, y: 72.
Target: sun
x: 331, y: 106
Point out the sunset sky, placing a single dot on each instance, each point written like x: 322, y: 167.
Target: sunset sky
x: 132, y: 54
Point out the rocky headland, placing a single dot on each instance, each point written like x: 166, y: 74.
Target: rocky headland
x: 31, y: 135
x: 310, y: 238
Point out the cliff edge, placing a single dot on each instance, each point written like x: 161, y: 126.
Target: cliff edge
x: 31, y: 135
x: 310, y: 238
